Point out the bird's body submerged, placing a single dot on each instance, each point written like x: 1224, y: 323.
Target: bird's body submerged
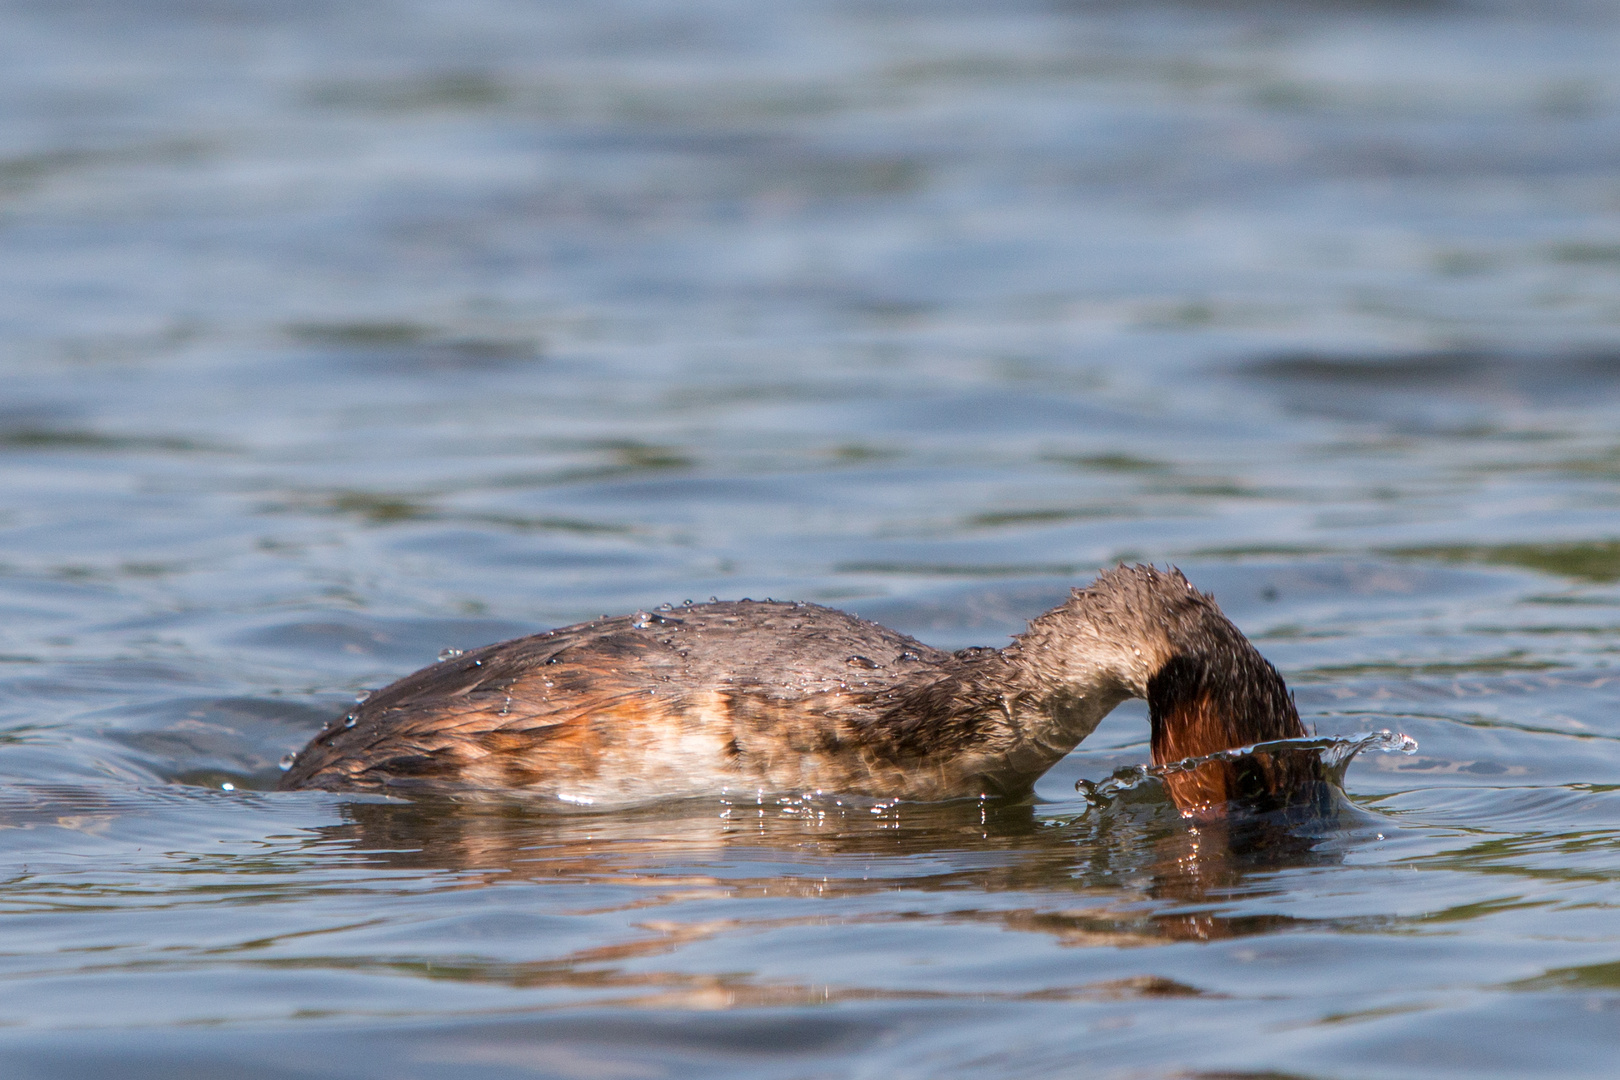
x: 785, y: 697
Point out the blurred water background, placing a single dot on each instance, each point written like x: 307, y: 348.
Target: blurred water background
x: 333, y: 335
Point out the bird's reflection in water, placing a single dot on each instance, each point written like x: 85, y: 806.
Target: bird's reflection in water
x: 1133, y: 873
x: 1234, y: 852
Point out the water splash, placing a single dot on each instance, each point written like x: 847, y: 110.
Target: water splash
x: 1336, y: 753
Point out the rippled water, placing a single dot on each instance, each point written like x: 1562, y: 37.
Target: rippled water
x: 336, y: 335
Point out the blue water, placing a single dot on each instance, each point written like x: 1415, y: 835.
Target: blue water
x: 335, y: 335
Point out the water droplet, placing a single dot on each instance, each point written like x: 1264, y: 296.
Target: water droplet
x: 862, y: 662
x: 286, y: 762
x: 666, y: 607
x: 449, y: 654
x: 714, y: 599
x: 349, y: 721
x: 640, y: 620
x: 361, y: 697
x: 228, y: 786
x: 688, y: 602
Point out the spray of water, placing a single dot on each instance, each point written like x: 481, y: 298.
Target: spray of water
x: 1336, y: 753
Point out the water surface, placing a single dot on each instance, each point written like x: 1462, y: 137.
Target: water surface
x: 336, y: 335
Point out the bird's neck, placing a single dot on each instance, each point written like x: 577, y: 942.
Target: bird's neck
x: 1207, y: 688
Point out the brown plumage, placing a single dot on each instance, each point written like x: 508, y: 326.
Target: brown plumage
x: 764, y: 696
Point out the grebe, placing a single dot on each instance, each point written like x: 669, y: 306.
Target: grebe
x: 765, y: 696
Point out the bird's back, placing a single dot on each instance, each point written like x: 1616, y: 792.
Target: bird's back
x: 662, y: 698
